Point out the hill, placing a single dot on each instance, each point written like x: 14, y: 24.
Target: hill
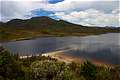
x: 44, y: 26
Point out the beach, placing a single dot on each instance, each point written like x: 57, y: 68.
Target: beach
x: 61, y: 56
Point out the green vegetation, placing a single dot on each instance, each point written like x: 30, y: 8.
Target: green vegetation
x: 46, y: 68
x: 9, y: 68
x: 17, y: 29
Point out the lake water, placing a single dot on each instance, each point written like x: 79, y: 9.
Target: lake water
x: 105, y: 47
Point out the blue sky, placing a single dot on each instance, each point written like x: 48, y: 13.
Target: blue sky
x: 84, y: 12
x: 54, y: 1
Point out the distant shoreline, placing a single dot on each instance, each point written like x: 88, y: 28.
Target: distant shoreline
x: 45, y: 36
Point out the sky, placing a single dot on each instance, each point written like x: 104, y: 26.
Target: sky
x: 84, y: 12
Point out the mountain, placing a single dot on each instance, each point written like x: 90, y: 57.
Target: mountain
x: 42, y: 26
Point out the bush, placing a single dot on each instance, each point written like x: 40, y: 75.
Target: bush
x: 46, y: 68
x: 103, y: 73
x: 9, y: 68
x: 115, y: 73
x: 88, y: 70
x: 51, y: 70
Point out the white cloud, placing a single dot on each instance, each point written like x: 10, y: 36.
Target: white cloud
x: 18, y: 9
x: 86, y: 12
x: 116, y: 11
x: 90, y: 17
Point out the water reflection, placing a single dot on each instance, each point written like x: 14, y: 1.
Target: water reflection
x: 102, y: 47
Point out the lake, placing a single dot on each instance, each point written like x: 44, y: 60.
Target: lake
x: 105, y: 47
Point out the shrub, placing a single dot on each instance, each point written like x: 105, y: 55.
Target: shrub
x: 88, y: 70
x: 9, y: 68
x: 51, y: 70
x: 115, y: 73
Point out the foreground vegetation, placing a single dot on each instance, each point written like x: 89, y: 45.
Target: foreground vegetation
x: 46, y: 68
x: 18, y: 29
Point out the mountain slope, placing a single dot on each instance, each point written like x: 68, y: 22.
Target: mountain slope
x: 45, y: 26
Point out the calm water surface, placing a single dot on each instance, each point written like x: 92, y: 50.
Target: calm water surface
x: 105, y: 47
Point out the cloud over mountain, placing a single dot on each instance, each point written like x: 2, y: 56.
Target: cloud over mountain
x: 91, y: 12
x: 90, y: 17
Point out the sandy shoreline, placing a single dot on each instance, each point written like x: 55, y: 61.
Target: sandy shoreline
x: 61, y: 56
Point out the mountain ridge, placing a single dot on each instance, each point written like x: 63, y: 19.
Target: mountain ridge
x: 47, y: 18
x: 50, y: 19
x: 42, y: 26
